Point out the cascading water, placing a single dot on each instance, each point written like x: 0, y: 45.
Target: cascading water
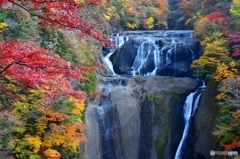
x: 144, y: 53
x: 190, y: 106
x: 152, y: 52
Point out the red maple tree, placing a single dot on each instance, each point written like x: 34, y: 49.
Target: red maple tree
x: 61, y: 13
x: 28, y: 65
x: 33, y: 66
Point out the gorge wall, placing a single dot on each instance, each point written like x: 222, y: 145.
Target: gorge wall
x: 205, y: 119
x: 140, y: 115
x: 138, y: 119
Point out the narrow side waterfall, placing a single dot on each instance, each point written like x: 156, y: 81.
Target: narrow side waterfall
x: 190, y: 106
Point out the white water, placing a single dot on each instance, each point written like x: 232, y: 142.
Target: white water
x: 190, y: 106
x: 163, y: 53
x: 107, y: 62
x: 143, y: 53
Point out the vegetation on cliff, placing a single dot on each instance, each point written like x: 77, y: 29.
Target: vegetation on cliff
x: 215, y: 24
x: 44, y: 77
x: 49, y: 54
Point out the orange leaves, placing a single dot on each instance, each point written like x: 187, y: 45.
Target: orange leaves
x: 60, y: 132
x: 233, y: 145
x: 64, y: 127
x: 57, y: 127
x: 136, y: 14
x: 52, y: 154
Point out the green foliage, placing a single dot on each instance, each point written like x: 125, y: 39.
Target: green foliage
x: 21, y: 30
x: 45, y: 126
x: 64, y: 105
x: 18, y: 29
x: 5, y: 135
x: 52, y: 38
x: 235, y: 9
x: 5, y: 15
x: 227, y: 138
x: 89, y: 85
x: 24, y: 150
x: 226, y: 120
x: 226, y: 109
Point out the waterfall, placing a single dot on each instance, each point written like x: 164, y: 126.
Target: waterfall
x: 128, y: 122
x: 190, y: 106
x: 142, y: 55
x: 107, y: 62
x: 152, y: 53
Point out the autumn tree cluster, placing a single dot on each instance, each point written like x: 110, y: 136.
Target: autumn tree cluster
x: 216, y: 26
x: 44, y: 84
x: 136, y: 14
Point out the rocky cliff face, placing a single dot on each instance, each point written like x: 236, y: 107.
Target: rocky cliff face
x: 139, y: 118
x: 205, y: 120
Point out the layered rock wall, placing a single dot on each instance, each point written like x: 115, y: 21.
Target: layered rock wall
x: 143, y: 116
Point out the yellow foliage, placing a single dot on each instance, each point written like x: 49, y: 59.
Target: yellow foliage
x: 2, y: 26
x: 221, y: 96
x: 107, y: 17
x: 34, y: 142
x: 67, y: 135
x: 131, y: 26
x: 26, y: 105
x: 223, y: 71
x: 215, y: 58
x: 52, y: 154
x: 58, y: 125
x: 149, y: 23
x: 79, y: 105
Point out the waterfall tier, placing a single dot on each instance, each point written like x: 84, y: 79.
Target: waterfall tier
x: 168, y: 53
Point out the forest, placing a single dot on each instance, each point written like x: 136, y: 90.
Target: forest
x: 50, y: 53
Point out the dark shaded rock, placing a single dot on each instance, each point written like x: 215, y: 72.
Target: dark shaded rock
x: 177, y: 69
x: 161, y: 102
x: 124, y: 56
x: 141, y: 118
x: 205, y: 120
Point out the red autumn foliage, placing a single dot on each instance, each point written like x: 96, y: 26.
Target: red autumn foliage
x: 234, y: 39
x: 218, y: 17
x: 28, y: 65
x: 33, y: 66
x: 233, y: 145
x: 63, y: 14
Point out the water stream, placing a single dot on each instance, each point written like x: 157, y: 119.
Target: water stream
x: 150, y: 52
x: 190, y: 106
x: 139, y: 53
